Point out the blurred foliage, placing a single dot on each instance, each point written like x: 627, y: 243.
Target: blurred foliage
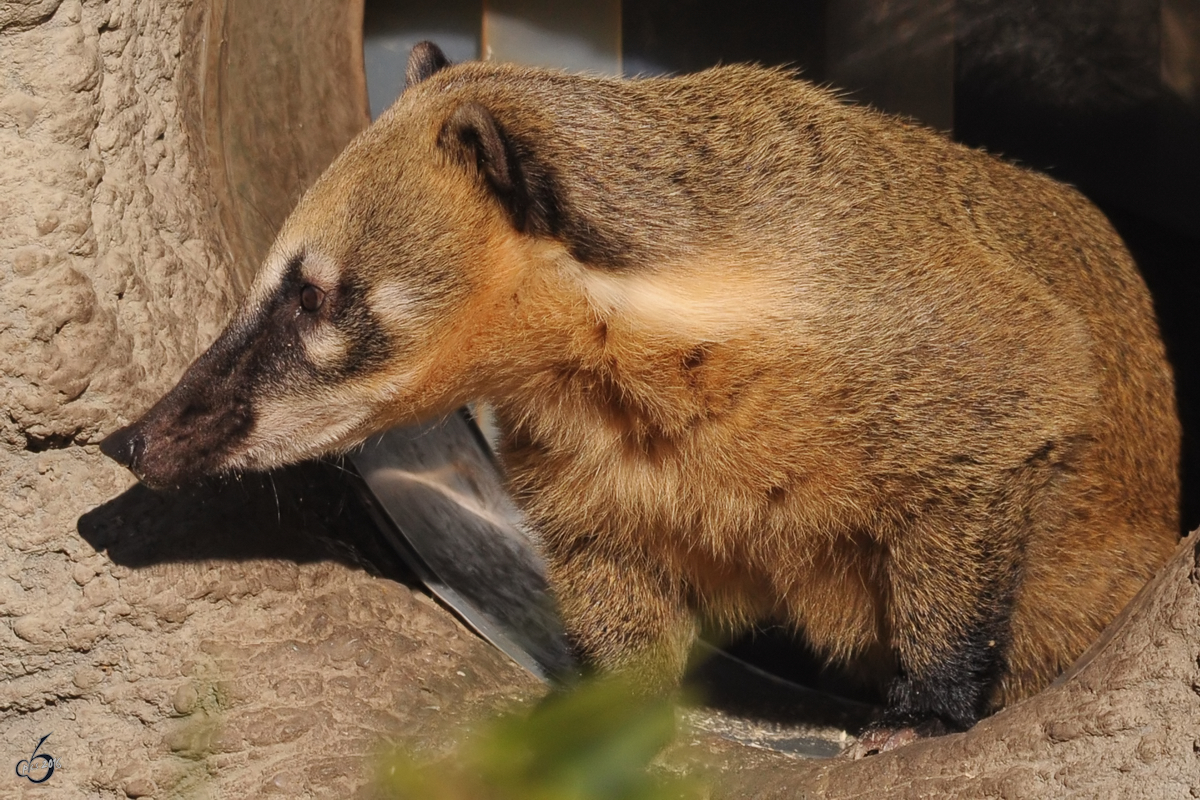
x: 594, y: 742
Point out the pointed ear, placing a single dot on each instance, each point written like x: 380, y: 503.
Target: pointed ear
x: 425, y: 59
x: 472, y: 135
x: 524, y: 186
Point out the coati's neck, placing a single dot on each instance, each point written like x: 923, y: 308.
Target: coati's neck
x: 635, y: 357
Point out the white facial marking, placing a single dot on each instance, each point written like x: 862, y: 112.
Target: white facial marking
x: 394, y: 304
x: 320, y: 270
x: 315, y: 268
x: 300, y: 427
x: 324, y: 345
x: 267, y: 281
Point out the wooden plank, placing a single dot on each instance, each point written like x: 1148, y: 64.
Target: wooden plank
x: 280, y: 91
x: 438, y: 498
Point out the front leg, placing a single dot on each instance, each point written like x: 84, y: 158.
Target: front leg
x: 949, y: 618
x: 623, y: 615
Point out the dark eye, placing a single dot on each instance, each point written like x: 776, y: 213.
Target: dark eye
x: 311, y: 298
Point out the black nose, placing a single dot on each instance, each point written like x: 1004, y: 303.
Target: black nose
x: 125, y: 446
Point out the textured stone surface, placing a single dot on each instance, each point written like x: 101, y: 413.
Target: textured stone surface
x: 207, y: 644
x: 221, y: 642
x: 109, y: 287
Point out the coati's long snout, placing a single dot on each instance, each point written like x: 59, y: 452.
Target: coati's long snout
x: 194, y: 428
x: 251, y: 400
x: 305, y: 368
x: 255, y: 398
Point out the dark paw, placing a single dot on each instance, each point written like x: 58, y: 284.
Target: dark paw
x: 881, y: 738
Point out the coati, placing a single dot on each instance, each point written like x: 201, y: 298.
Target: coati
x: 756, y: 354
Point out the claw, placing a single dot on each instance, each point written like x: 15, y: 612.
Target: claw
x: 880, y: 739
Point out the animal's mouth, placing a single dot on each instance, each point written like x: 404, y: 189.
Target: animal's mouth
x: 178, y: 441
x: 163, y: 466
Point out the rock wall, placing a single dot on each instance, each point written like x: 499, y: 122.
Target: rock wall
x: 110, y: 283
x: 227, y: 641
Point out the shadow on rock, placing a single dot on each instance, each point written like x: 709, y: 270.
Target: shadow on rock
x: 305, y: 513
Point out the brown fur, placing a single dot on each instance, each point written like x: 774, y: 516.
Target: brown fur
x: 758, y: 354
